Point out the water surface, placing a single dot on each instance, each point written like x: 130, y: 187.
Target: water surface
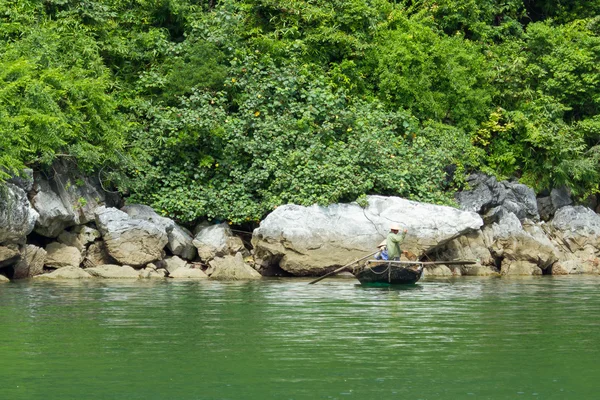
x: 471, y: 338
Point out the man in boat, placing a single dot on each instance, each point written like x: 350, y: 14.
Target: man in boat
x: 393, y: 242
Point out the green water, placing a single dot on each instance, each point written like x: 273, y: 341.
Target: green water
x: 479, y: 338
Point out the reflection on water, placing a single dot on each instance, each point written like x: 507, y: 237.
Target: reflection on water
x: 284, y: 339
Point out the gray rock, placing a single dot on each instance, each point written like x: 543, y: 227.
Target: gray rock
x: 216, y: 241
x: 545, y: 208
x: 97, y: 254
x: 485, y: 192
x: 438, y: 270
x: 130, y: 241
x: 67, y: 198
x: 60, y: 255
x: 179, y: 239
x: 86, y: 235
x: 113, y: 272
x: 181, y: 243
x: 9, y: 255
x: 513, y: 243
x: 479, y: 270
x: 17, y: 217
x: 31, y: 263
x: 561, y: 197
x: 568, y: 267
x: 231, y: 268
x: 188, y: 273
x: 577, y: 231
x: 152, y: 273
x: 71, y: 239
x: 65, y: 273
x: 521, y: 201
x: 172, y: 264
x: 313, y: 240
x: 24, y: 180
x: 472, y: 246
x: 520, y: 267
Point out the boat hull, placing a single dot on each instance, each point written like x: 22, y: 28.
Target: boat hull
x: 388, y: 272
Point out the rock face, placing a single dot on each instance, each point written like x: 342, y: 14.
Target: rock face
x: 216, y: 241
x: 66, y: 198
x: 578, y: 230
x: 179, y: 239
x: 60, y: 255
x: 548, y: 205
x: 32, y: 262
x: 130, y: 241
x: 113, y: 272
x: 17, y: 217
x: 314, y: 240
x: 231, y: 268
x: 97, y: 254
x: 66, y: 273
x: 486, y: 193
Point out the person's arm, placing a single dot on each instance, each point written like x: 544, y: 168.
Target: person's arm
x: 398, y: 237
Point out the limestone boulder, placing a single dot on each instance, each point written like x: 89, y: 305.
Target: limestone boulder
x: 548, y: 205
x: 484, y: 193
x: 472, y: 246
x: 438, y: 271
x: 17, y: 217
x: 479, y: 270
x: 576, y: 230
x: 65, y: 273
x: 86, y: 235
x: 23, y: 180
x: 70, y: 239
x: 568, y: 267
x: 97, y: 254
x: 313, y: 240
x: 4, y: 279
x: 521, y: 201
x: 216, y: 241
x: 152, y: 273
x: 519, y: 267
x: 130, y: 241
x: 188, y: 273
x: 60, y: 255
x: 179, y: 238
x: 67, y: 197
x: 9, y: 255
x: 231, y: 268
x: 171, y: 264
x: 511, y: 242
x: 31, y: 263
x: 113, y: 272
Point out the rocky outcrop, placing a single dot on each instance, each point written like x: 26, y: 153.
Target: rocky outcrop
x: 485, y: 193
x: 60, y: 255
x: 216, y: 241
x: 97, y: 254
x: 548, y: 205
x: 31, y: 263
x: 577, y: 229
x: 113, y: 272
x: 17, y: 217
x: 130, y: 241
x: 152, y: 273
x: 66, y: 273
x: 314, y: 240
x: 231, y: 268
x: 172, y: 264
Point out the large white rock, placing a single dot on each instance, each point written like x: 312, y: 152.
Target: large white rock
x: 216, y: 241
x: 32, y: 262
x: 130, y: 241
x: 313, y: 240
x: 113, y: 272
x: 17, y: 217
x: 65, y: 273
x: 188, y: 273
x: 577, y: 230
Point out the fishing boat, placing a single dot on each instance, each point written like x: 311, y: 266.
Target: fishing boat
x: 395, y: 272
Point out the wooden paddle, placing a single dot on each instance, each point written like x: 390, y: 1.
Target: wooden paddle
x: 341, y: 268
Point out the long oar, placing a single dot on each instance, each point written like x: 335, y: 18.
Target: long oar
x: 341, y: 268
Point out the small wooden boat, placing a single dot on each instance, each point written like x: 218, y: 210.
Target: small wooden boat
x: 395, y: 272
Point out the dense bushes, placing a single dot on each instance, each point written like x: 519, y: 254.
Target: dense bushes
x: 227, y: 109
